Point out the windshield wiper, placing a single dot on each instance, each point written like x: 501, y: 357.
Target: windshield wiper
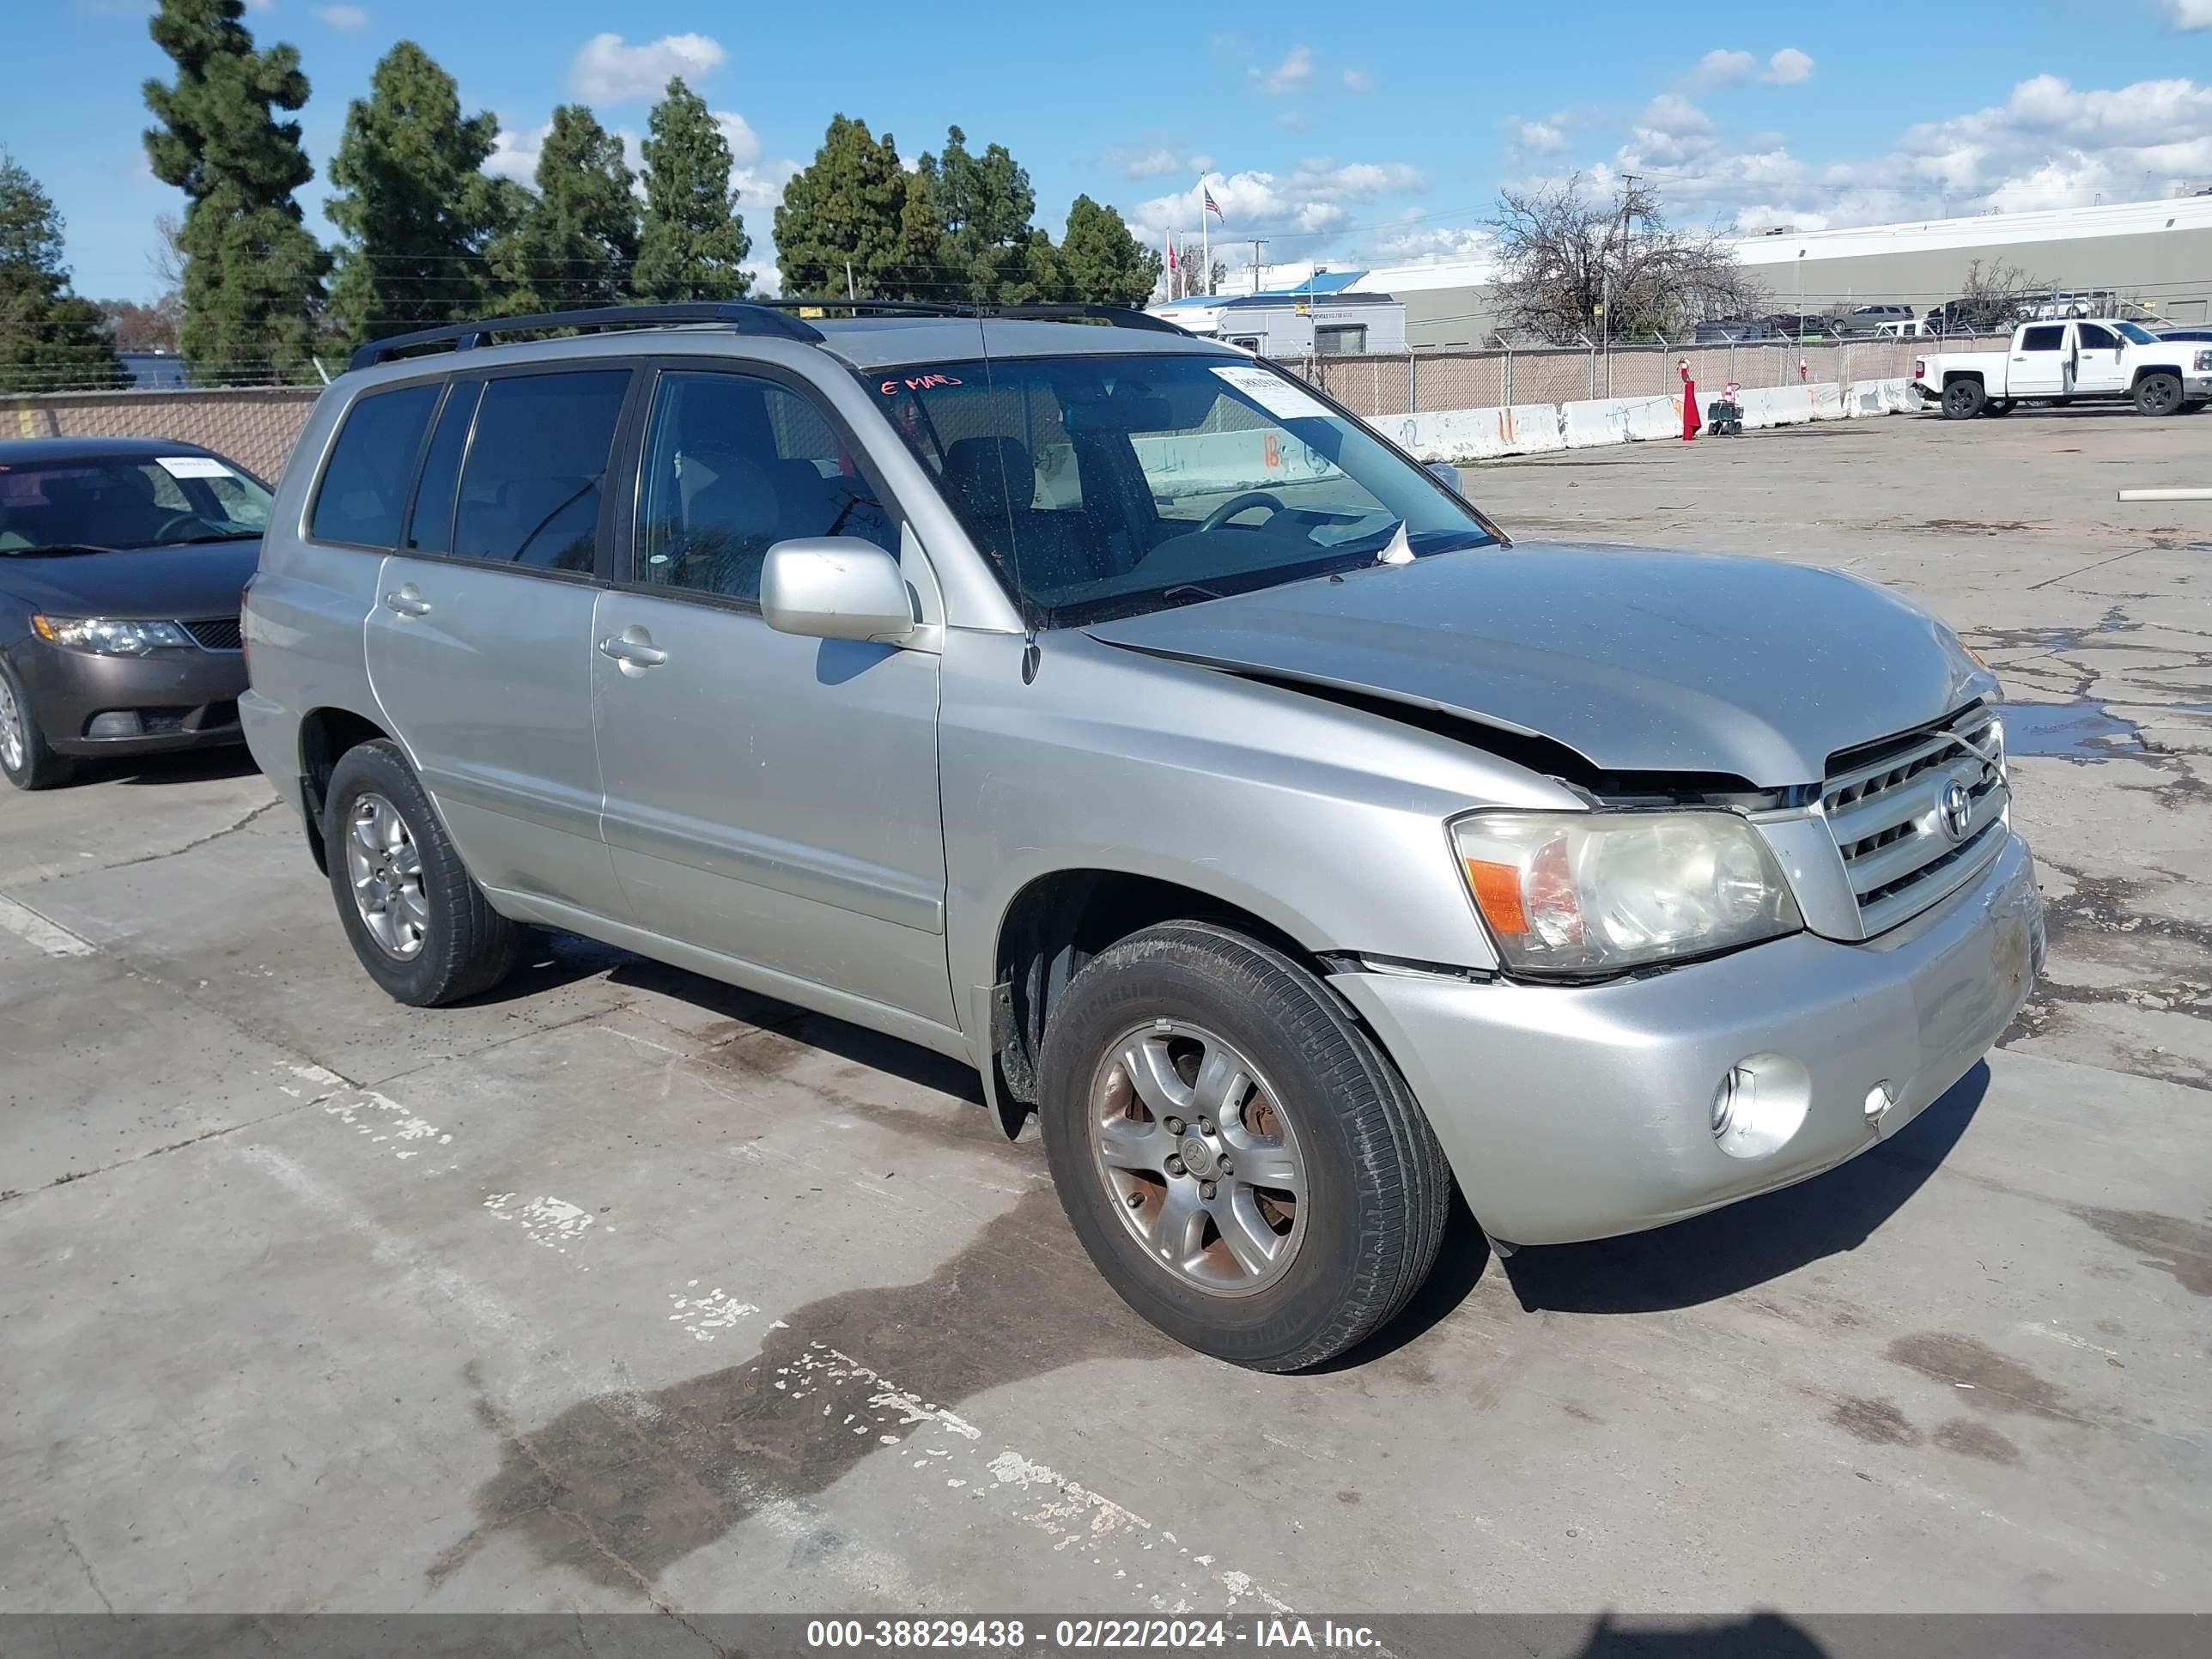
x: 63, y: 548
x: 1188, y: 593
x: 219, y: 535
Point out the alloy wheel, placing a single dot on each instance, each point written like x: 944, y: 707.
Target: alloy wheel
x: 1198, y: 1156
x: 14, y: 742
x: 385, y: 869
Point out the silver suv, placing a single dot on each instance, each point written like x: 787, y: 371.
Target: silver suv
x: 1109, y: 711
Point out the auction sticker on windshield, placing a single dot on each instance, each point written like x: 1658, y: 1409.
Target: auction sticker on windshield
x: 193, y: 466
x: 1274, y: 394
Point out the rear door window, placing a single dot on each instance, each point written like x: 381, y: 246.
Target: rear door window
x: 2049, y: 337
x: 364, y: 487
x: 537, y: 469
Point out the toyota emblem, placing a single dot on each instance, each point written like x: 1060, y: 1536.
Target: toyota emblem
x: 1956, y: 810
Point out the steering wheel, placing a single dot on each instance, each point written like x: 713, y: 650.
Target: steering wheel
x: 176, y: 521
x: 1235, y: 504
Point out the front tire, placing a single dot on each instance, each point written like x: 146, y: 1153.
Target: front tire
x: 2158, y: 394
x: 421, y: 926
x: 27, y: 760
x: 1963, y: 400
x: 1241, y: 1163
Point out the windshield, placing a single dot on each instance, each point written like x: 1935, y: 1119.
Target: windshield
x: 1106, y: 486
x: 2135, y: 332
x: 127, y: 501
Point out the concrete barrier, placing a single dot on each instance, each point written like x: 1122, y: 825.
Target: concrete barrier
x: 1591, y: 423
x: 1476, y: 435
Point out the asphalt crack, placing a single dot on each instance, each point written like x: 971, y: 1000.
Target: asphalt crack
x: 194, y: 846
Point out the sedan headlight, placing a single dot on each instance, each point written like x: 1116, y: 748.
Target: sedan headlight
x: 1578, y: 894
x: 111, y: 636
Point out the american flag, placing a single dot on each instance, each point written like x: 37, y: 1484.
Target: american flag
x: 1214, y: 207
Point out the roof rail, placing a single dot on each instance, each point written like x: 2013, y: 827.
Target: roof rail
x: 1113, y: 316
x: 744, y: 317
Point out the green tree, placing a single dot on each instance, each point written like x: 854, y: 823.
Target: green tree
x: 253, y: 271
x: 49, y: 339
x: 855, y: 208
x: 983, y: 206
x: 1101, y: 263
x: 576, y: 239
x: 693, y: 244
x: 415, y: 205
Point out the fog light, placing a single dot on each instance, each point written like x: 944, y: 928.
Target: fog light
x: 1759, y: 1104
x: 116, y: 723
x: 1724, y: 1100
x: 1879, y: 1100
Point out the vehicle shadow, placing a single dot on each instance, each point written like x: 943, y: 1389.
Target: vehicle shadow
x: 1755, y: 1635
x: 185, y: 766
x: 1731, y: 1249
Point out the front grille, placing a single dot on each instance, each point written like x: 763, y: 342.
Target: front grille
x: 1884, y: 805
x: 218, y: 633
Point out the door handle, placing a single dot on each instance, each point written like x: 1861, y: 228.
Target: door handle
x: 632, y: 653
x: 407, y: 602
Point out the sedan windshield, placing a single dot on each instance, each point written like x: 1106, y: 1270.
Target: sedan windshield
x: 1108, y: 486
x: 120, y: 502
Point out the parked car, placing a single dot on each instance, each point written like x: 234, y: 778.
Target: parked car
x: 2063, y: 362
x: 2191, y: 332
x: 1735, y: 329
x: 1907, y: 328
x: 1868, y: 319
x: 1791, y: 325
x: 121, y: 562
x: 1119, y: 715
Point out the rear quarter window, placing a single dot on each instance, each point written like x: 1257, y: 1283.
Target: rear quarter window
x: 364, y: 487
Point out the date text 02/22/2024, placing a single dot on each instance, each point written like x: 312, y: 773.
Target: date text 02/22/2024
x: 1092, y: 1634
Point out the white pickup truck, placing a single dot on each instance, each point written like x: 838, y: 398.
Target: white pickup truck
x: 2058, y: 362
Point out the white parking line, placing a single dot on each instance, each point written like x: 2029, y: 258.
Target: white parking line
x: 51, y: 936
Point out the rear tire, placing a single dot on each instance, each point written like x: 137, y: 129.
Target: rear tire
x: 26, y: 759
x: 421, y: 926
x: 1368, y: 1187
x: 1963, y: 400
x: 2158, y: 394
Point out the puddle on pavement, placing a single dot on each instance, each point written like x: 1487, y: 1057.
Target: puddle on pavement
x: 2069, y: 731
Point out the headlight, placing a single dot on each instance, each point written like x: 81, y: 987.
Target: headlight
x: 1582, y: 893
x: 2203, y: 362
x: 110, y: 637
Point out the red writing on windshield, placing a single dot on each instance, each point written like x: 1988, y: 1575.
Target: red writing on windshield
x: 917, y: 383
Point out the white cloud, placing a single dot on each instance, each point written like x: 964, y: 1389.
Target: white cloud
x: 1317, y: 199
x: 343, y: 17
x: 2191, y: 14
x: 1359, y: 80
x: 1547, y: 135
x: 1155, y: 160
x: 1789, y: 66
x: 515, y: 155
x: 744, y: 143
x: 1722, y: 68
x: 608, y: 68
x: 1292, y: 74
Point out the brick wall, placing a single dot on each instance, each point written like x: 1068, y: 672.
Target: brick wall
x: 254, y: 426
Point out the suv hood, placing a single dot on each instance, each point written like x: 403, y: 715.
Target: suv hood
x: 1637, y: 660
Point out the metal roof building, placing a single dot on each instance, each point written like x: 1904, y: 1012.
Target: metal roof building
x: 2158, y: 253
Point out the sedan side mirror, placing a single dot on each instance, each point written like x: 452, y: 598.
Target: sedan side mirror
x: 1446, y: 474
x: 834, y: 588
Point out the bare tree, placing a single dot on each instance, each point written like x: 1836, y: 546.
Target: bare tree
x: 1572, y: 266
x: 1186, y: 281
x: 1992, y: 293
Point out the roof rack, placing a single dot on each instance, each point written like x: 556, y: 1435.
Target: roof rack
x: 1113, y: 316
x: 744, y: 317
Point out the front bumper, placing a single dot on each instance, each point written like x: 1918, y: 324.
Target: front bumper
x: 183, y: 699
x: 1574, y: 1113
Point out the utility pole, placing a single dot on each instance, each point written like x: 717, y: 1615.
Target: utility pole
x: 1258, y: 242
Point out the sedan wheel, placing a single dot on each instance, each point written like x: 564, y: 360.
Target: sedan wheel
x: 27, y: 760
x: 13, y: 751
x: 386, y: 868
x: 1198, y: 1159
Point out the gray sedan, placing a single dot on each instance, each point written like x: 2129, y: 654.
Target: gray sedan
x: 121, y: 563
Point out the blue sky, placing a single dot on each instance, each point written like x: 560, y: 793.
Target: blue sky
x: 1353, y: 136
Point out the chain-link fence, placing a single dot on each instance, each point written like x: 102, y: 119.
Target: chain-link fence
x: 254, y: 426
x: 1419, y: 381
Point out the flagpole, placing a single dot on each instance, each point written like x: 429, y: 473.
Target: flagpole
x: 1205, y: 242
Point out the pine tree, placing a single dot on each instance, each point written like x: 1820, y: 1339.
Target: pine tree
x: 1101, y: 263
x: 414, y: 204
x: 984, y: 204
x: 849, y: 212
x: 253, y: 271
x: 577, y: 238
x: 50, y: 339
x: 693, y: 244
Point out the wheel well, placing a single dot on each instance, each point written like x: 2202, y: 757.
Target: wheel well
x: 2145, y: 370
x: 1059, y: 922
x: 325, y: 737
x: 1973, y: 375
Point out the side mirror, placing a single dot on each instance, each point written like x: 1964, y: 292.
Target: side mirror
x: 834, y: 588
x: 1446, y: 474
